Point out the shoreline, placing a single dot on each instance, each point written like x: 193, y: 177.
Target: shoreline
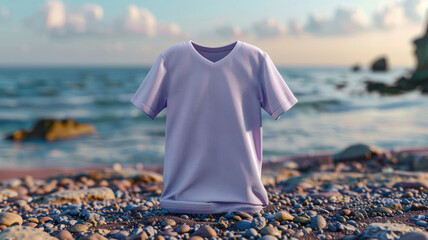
x: 320, y: 157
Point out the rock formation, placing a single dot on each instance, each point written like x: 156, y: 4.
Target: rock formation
x: 51, y: 130
x: 418, y: 79
x: 380, y: 64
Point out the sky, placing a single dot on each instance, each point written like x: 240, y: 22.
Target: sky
x: 293, y: 33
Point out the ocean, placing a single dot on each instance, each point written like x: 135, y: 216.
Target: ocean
x: 326, y: 119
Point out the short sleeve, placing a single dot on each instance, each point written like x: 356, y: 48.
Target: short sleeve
x: 151, y: 96
x: 275, y: 96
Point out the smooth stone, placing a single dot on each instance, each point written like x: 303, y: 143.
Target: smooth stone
x: 169, y: 232
x: 206, y: 232
x: 357, y: 151
x: 159, y: 237
x: 20, y: 203
x: 301, y: 220
x: 283, y: 215
x: 269, y: 230
x: 168, y: 221
x: 244, y: 215
x: 268, y: 237
x: 318, y: 222
x: 243, y: 225
x: 415, y: 236
x: 386, y: 231
x: 422, y: 223
x: 9, y: 219
x: 90, y: 194
x: 182, y: 228
x: 78, y: 228
x: 93, y: 236
x: 25, y: 233
x: 45, y: 219
x: 251, y: 233
x: 7, y: 193
x: 196, y: 238
x: 122, y: 235
x: 258, y: 223
x: 298, y: 234
x: 30, y: 224
x: 410, y: 184
x: 383, y: 210
x: 64, y: 235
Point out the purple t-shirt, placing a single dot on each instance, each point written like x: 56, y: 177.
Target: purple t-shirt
x: 213, y: 136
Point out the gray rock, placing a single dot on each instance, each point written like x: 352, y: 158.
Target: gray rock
x: 90, y: 194
x: 422, y: 223
x: 258, y: 223
x: 25, y: 233
x: 357, y: 151
x: 415, y: 236
x: 243, y: 225
x: 251, y: 233
x: 182, y: 228
x: 268, y: 237
x: 387, y: 231
x: 318, y: 222
x: 205, y: 232
x: 269, y: 230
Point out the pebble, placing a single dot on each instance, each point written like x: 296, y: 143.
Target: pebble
x: 283, y: 215
x: 9, y: 219
x: 64, y: 235
x: 206, y: 232
x: 169, y: 232
x: 258, y: 223
x: 301, y: 220
x: 270, y: 230
x: 244, y: 215
x: 318, y: 222
x: 415, y: 236
x: 78, y: 228
x: 268, y: 237
x: 386, y: 230
x: 383, y: 210
x: 25, y: 232
x: 251, y: 233
x: 183, y: 228
x: 422, y: 223
x: 168, y: 221
x: 243, y: 225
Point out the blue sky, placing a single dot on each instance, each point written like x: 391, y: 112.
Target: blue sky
x: 310, y: 32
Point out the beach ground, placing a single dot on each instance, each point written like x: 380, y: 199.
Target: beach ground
x: 361, y: 193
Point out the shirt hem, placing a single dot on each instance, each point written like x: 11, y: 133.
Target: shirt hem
x: 284, y: 108
x: 146, y: 109
x: 188, y: 207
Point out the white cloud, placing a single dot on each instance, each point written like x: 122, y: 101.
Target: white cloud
x: 53, y: 17
x: 141, y: 21
x: 171, y: 29
x: 294, y: 28
x: 389, y: 16
x: 268, y: 27
x: 415, y: 10
x: 87, y: 19
x: 346, y: 20
x: 227, y: 31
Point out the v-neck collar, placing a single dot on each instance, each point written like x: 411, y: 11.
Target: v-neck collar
x: 236, y: 46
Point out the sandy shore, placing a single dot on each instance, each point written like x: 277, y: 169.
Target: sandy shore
x: 46, y: 172
x: 355, y: 194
